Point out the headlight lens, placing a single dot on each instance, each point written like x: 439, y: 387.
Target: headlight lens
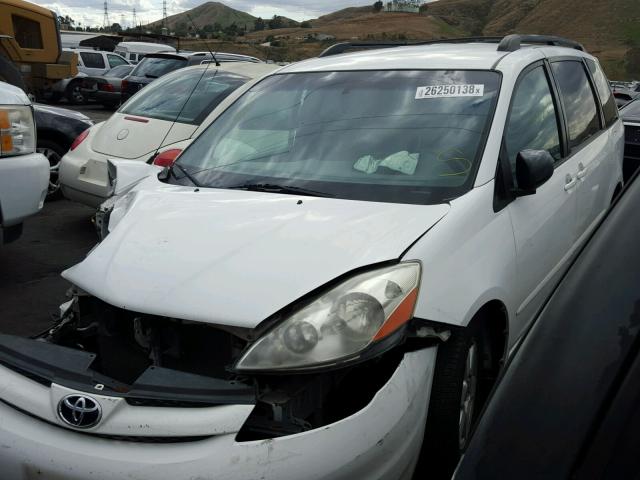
x: 17, y: 130
x: 339, y: 324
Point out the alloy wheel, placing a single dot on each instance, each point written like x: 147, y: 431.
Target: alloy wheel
x: 54, y: 166
x: 469, y: 394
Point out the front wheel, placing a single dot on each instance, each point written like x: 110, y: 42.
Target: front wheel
x: 457, y: 396
x: 54, y: 153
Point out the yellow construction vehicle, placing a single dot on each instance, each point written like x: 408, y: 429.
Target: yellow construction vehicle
x: 31, y: 55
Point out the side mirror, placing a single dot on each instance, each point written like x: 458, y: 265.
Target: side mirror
x: 533, y: 168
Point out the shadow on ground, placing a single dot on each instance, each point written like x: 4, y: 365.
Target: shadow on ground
x: 31, y: 288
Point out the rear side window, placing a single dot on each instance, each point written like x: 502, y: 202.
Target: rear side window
x: 604, y: 91
x: 92, y: 60
x: 191, y: 95
x: 533, y: 123
x: 578, y: 101
x: 116, y: 60
x: 27, y: 32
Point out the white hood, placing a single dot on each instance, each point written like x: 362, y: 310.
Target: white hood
x: 235, y: 257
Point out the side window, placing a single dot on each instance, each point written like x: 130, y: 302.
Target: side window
x: 27, y: 32
x: 578, y: 101
x: 115, y: 60
x: 92, y: 60
x: 604, y: 91
x: 533, y: 123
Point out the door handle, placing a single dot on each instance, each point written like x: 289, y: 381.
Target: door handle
x: 569, y: 182
x: 582, y: 172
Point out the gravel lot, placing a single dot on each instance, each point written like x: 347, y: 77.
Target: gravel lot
x: 31, y: 288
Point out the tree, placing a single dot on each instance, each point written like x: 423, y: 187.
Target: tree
x: 259, y: 24
x: 378, y: 6
x: 115, y: 27
x: 305, y: 24
x: 423, y: 8
x: 276, y: 22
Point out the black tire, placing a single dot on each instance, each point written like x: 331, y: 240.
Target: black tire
x: 9, y: 73
x: 442, y: 443
x: 74, y: 94
x: 54, y: 153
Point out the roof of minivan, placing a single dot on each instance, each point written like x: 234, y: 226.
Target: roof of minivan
x: 468, y: 56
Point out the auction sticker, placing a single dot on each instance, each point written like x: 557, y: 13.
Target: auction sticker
x: 450, y: 91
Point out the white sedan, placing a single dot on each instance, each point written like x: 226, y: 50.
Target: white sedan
x: 162, y: 117
x: 24, y: 174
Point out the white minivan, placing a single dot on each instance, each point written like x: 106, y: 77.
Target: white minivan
x: 135, y: 51
x: 326, y: 282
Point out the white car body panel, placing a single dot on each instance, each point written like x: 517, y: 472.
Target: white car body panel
x: 156, y: 251
x: 23, y: 178
x: 379, y: 442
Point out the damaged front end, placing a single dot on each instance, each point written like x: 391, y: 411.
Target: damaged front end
x: 151, y: 361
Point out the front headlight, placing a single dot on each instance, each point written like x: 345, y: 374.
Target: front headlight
x: 17, y: 130
x: 341, y: 323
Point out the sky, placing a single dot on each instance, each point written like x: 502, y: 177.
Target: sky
x: 91, y: 12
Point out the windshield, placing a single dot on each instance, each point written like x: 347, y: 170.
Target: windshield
x: 631, y: 110
x: 391, y: 136
x: 120, y: 71
x: 201, y: 89
x: 154, y: 67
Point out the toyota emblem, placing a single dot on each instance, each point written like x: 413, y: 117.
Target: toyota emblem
x: 79, y: 411
x: 122, y: 134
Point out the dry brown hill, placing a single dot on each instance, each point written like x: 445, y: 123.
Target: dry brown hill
x: 609, y: 29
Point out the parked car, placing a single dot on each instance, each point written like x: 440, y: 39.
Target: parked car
x: 335, y: 267
x: 136, y: 51
x: 24, y: 173
x: 156, y: 65
x: 162, y: 117
x: 567, y: 406
x: 631, y: 117
x: 105, y: 89
x: 57, y: 128
x: 625, y: 92
x: 90, y: 63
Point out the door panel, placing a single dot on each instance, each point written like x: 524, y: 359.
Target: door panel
x: 587, y: 141
x: 544, y: 224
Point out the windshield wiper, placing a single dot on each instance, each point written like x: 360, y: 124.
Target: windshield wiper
x: 185, y: 173
x: 148, y: 75
x: 275, y: 188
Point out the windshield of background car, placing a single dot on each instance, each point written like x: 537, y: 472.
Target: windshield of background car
x: 631, y: 110
x: 120, y: 71
x: 389, y: 136
x: 155, y: 67
x: 192, y: 94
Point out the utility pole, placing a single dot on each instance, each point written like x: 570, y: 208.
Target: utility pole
x: 122, y: 21
x: 135, y: 19
x: 164, y: 13
x: 105, y: 19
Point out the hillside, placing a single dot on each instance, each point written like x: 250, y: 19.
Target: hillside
x: 210, y: 13
x: 609, y: 29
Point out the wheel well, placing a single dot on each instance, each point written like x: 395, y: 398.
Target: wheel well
x: 494, y: 321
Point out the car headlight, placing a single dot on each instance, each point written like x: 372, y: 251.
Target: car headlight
x: 17, y: 130
x: 341, y: 323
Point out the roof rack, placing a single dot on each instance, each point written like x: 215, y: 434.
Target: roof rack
x: 510, y: 43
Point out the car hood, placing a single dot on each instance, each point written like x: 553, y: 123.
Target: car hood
x: 233, y: 257
x: 60, y: 112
